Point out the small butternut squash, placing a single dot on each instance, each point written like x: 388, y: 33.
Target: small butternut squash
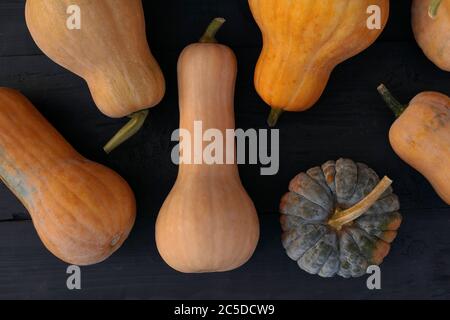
x: 431, y: 26
x: 304, y: 40
x: 421, y: 136
x: 110, y: 51
x: 208, y: 223
x: 82, y: 211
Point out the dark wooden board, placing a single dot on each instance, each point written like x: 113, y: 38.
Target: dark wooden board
x: 349, y: 121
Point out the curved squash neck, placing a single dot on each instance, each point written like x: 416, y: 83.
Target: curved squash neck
x: 25, y: 134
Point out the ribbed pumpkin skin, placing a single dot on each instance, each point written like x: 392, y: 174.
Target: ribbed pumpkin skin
x: 304, y: 40
x: 82, y: 211
x: 432, y: 35
x: 208, y: 223
x: 421, y: 137
x: 110, y: 51
x: 319, y: 248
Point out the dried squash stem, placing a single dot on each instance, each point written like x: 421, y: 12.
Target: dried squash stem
x: 391, y: 101
x: 135, y: 124
x: 434, y: 7
x: 211, y: 31
x: 274, y: 116
x: 343, y: 217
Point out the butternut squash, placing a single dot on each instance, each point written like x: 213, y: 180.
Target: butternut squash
x: 82, y: 211
x: 304, y: 40
x: 431, y: 26
x: 208, y: 223
x: 110, y: 51
x: 421, y: 136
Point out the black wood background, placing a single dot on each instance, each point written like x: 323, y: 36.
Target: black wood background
x: 349, y: 121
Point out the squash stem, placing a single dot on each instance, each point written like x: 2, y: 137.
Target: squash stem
x: 434, y: 7
x: 211, y: 31
x: 391, y: 101
x: 341, y: 218
x: 274, y: 116
x: 129, y: 130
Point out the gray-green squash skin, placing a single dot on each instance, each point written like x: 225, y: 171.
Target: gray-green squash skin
x: 306, y: 209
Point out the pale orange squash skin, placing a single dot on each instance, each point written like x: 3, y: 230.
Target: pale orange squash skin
x: 433, y: 35
x: 82, y: 211
x: 110, y: 51
x: 421, y: 137
x: 304, y: 40
x: 208, y: 223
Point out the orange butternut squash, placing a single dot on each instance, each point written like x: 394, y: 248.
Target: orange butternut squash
x: 431, y: 25
x: 110, y: 51
x: 82, y: 211
x: 304, y: 40
x: 421, y: 136
x: 208, y: 223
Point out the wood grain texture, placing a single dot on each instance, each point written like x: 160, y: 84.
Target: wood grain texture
x: 350, y: 120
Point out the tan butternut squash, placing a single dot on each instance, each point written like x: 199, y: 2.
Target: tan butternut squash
x: 110, y: 51
x: 421, y: 136
x: 431, y: 25
x: 304, y: 40
x: 82, y: 211
x: 208, y: 223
